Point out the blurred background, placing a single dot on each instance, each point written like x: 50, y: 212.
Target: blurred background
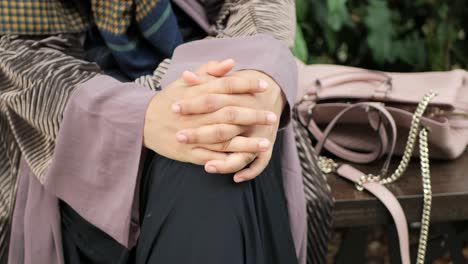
x: 388, y: 35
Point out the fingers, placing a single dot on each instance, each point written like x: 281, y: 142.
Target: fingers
x: 201, y: 156
x: 212, y: 102
x: 240, y: 144
x: 209, y: 134
x: 216, y: 68
x: 191, y: 78
x: 233, y: 163
x: 255, y: 169
x: 233, y: 115
x: 239, y: 116
x: 221, y: 68
x: 213, y: 68
x: 231, y: 85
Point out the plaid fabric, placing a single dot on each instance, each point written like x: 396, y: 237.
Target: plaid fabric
x: 39, y: 17
x: 144, y: 8
x: 48, y: 17
x: 114, y: 16
x: 143, y: 29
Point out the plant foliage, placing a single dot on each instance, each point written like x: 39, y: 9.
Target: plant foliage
x: 393, y: 35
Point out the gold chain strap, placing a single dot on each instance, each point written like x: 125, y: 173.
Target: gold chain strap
x: 427, y: 194
x: 411, y: 142
x: 327, y: 165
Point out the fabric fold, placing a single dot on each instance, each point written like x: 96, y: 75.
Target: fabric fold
x: 97, y: 155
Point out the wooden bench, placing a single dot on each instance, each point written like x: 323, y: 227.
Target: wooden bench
x: 360, y: 209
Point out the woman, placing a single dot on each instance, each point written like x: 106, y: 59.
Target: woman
x: 94, y: 164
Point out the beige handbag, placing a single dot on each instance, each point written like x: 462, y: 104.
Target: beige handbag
x: 360, y: 116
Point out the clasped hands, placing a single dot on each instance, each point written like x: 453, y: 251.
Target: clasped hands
x: 226, y: 122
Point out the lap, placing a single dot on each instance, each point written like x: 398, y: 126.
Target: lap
x: 190, y: 216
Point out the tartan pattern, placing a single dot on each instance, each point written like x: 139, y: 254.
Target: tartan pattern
x: 39, y: 17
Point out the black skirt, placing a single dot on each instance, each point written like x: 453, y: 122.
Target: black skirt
x: 190, y: 216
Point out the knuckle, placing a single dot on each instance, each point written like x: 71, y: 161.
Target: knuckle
x: 210, y: 103
x: 228, y: 84
x: 189, y: 93
x: 230, y: 115
x: 199, y: 159
x: 229, y: 166
x: 225, y: 145
x: 219, y: 133
x: 253, y: 143
x: 248, y: 157
x: 192, y: 137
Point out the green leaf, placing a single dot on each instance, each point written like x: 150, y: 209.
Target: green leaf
x: 385, y: 34
x: 379, y: 24
x: 337, y: 14
x: 300, y: 46
x: 336, y: 5
x: 411, y: 50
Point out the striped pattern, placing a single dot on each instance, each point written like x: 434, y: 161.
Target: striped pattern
x: 9, y: 164
x: 318, y: 196
x: 251, y: 17
x: 36, y: 81
x: 153, y: 81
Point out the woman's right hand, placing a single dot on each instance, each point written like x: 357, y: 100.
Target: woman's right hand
x: 162, y: 122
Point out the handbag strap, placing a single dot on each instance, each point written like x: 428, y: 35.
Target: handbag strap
x: 389, y: 200
x: 331, y: 146
x: 348, y: 154
x: 393, y: 206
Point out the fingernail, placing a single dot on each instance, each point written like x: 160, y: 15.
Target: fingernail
x: 271, y: 118
x: 176, y: 108
x: 181, y: 137
x: 191, y: 75
x: 264, y: 144
x: 211, y: 169
x: 263, y: 85
x: 238, y: 179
